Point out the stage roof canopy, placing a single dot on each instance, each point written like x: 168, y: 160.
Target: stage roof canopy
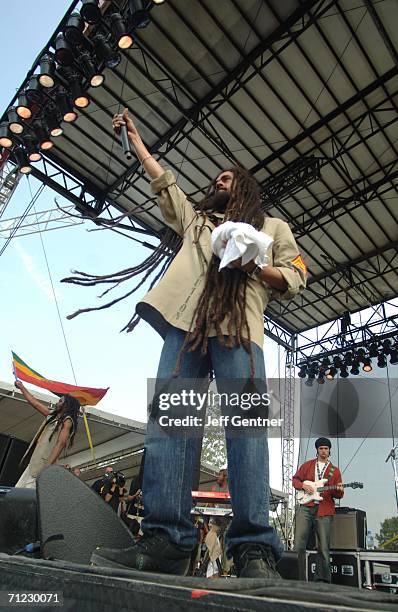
x: 302, y: 93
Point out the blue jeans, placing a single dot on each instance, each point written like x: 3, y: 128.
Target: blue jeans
x: 170, y: 461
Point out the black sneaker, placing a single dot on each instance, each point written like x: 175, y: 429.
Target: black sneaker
x: 153, y: 553
x: 255, y: 561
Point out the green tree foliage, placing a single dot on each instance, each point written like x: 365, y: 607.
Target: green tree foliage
x: 388, y: 530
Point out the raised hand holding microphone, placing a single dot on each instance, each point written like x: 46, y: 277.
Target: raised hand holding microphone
x: 125, y: 127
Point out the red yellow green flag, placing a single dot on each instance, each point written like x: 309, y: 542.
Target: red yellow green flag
x: 87, y: 396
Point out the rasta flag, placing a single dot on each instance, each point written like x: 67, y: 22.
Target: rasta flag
x: 86, y: 396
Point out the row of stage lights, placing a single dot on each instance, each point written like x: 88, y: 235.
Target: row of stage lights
x: 355, y: 360
x: 52, y: 96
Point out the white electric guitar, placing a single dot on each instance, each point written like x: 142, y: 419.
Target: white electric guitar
x: 319, y: 485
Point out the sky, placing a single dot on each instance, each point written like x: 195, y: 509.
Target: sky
x: 101, y: 356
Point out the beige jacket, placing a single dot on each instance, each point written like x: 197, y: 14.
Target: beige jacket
x: 173, y: 300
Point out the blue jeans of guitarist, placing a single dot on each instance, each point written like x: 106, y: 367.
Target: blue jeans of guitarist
x: 305, y: 521
x: 170, y: 461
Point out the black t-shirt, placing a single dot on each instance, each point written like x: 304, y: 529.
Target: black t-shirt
x: 114, y: 501
x: 96, y: 486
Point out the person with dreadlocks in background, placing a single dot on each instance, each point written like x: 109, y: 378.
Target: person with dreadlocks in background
x: 56, y: 433
x: 210, y: 320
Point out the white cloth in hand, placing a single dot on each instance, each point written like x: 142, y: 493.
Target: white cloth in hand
x: 232, y: 240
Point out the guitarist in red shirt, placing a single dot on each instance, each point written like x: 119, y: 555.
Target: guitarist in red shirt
x: 318, y: 514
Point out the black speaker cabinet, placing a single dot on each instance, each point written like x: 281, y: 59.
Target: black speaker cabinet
x: 11, y: 470
x: 348, y: 529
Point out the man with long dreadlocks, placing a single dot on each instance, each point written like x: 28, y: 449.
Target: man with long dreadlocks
x: 210, y: 320
x: 56, y: 433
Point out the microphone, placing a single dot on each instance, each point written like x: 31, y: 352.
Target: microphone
x: 125, y: 142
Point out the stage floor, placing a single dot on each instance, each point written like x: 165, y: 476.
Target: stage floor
x: 93, y: 589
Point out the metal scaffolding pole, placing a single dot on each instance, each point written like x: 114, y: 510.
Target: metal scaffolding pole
x: 288, y: 446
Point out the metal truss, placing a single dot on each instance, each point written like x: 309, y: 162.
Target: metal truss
x: 42, y: 221
x: 274, y: 330
x: 333, y: 341
x: 200, y: 112
x: 9, y: 179
x: 302, y: 172
x: 288, y: 448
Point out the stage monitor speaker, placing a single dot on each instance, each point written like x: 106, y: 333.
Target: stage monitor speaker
x: 348, y: 530
x: 11, y: 470
x: 73, y: 519
x: 18, y: 519
x: 288, y: 565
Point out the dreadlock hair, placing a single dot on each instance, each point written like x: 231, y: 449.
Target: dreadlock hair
x: 71, y: 408
x: 224, y: 292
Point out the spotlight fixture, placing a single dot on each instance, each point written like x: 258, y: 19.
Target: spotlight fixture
x: 367, y: 365
x: 139, y: 14
x: 332, y: 373
x: 343, y: 372
x: 65, y: 106
x: 337, y: 361
x: 355, y: 368
x: 32, y: 147
x: 33, y: 91
x: 361, y: 354
x: 119, y: 31
x: 90, y: 12
x: 5, y: 135
x: 104, y: 51
x: 309, y: 382
x: 15, y: 125
x: 386, y: 346
x: 381, y: 361
x: 157, y: 2
x: 52, y: 121
x: 394, y: 355
x: 325, y: 363
x: 303, y: 371
x: 63, y: 51
x: 22, y: 161
x: 79, y: 97
x: 45, y: 142
x: 23, y: 109
x: 90, y: 69
x: 348, y: 357
x: 73, y: 30
x: 321, y: 377
x: 312, y: 370
x: 373, y: 350
x: 47, y: 71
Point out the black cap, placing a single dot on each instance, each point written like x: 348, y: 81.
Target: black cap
x: 323, y: 442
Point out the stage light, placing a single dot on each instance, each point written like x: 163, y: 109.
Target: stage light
x: 33, y: 91
x: 386, y: 346
x: 381, y: 361
x: 73, y: 29
x: 15, y: 125
x: 361, y: 354
x: 343, y: 372
x: 325, y: 363
x: 332, y: 373
x: 309, y: 382
x: 63, y: 51
x: 5, y: 135
x: 367, y: 365
x: 394, y: 355
x: 45, y: 142
x: 89, y: 69
x: 47, y: 71
x: 65, y: 106
x: 32, y: 147
x: 90, y: 12
x: 348, y: 358
x: 355, y: 368
x: 139, y: 15
x: 321, y: 377
x: 79, y: 97
x: 373, y: 350
x: 104, y: 51
x: 337, y: 361
x: 52, y: 121
x: 157, y: 2
x: 312, y: 370
x: 303, y: 371
x: 118, y: 28
x: 23, y: 109
x: 22, y: 161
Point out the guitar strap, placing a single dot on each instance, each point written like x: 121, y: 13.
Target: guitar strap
x: 331, y: 471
